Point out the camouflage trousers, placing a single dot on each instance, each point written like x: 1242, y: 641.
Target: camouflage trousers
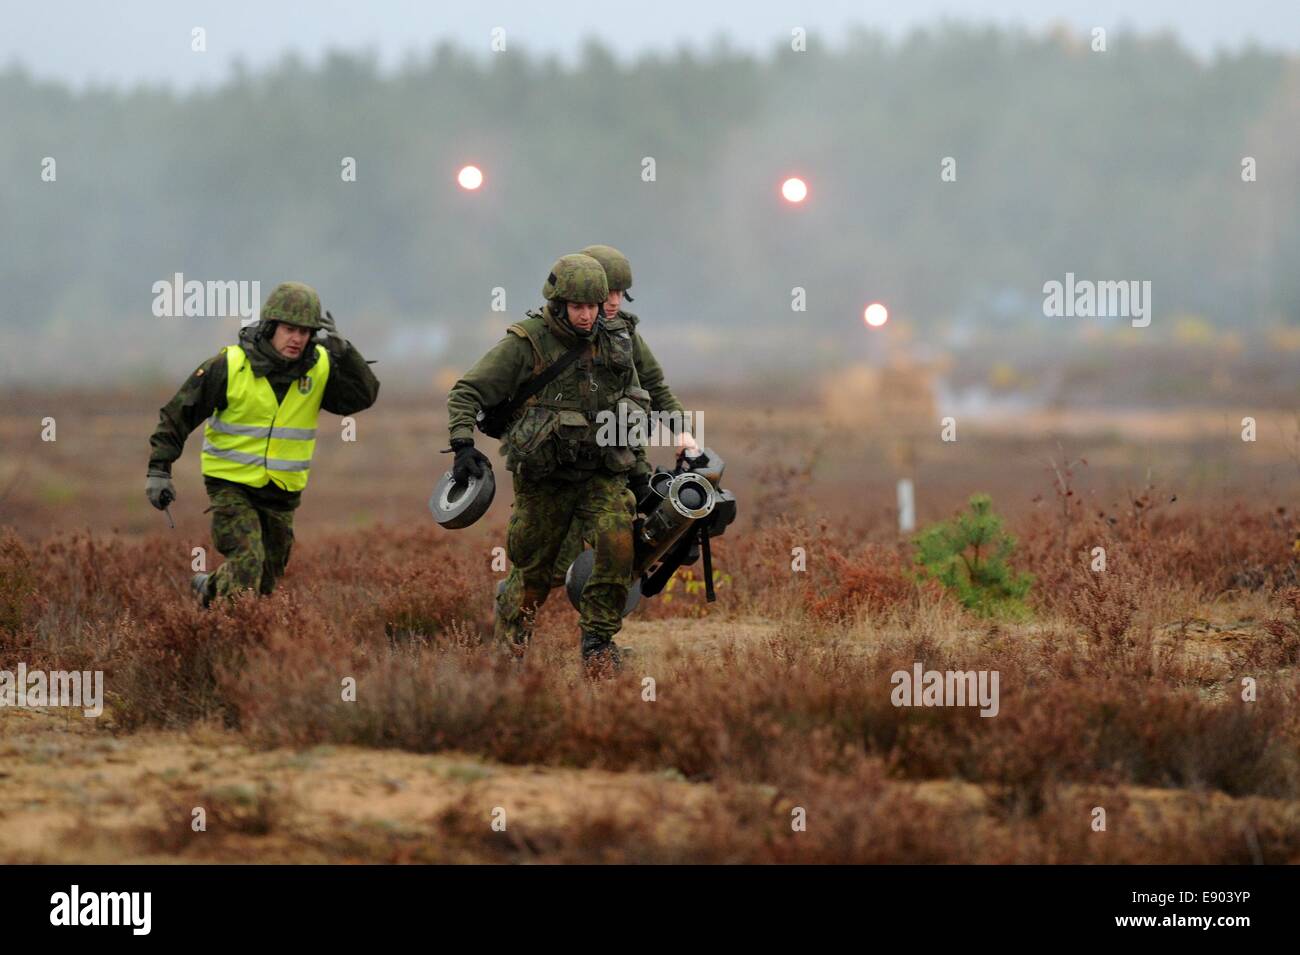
x: 579, y: 538
x: 544, y: 516
x: 575, y: 542
x: 255, y: 540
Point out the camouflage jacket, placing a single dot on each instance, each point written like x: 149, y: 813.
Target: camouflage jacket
x: 649, y: 371
x: 351, y: 387
x: 652, y: 380
x: 557, y: 433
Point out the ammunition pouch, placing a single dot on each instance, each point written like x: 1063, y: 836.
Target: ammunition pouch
x: 632, y: 407
x: 530, y: 452
x: 544, y: 439
x: 619, y: 350
x: 570, y: 435
x: 618, y: 460
x: 638, y: 397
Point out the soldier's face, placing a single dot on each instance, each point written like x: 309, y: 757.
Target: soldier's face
x: 290, y: 340
x: 582, y: 316
x: 613, y: 303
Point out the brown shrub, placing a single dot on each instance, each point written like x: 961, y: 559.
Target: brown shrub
x: 241, y: 809
x: 1105, y: 602
x: 165, y: 672
x: 1284, y: 650
x: 876, y: 580
x: 17, y: 585
x: 1209, y: 550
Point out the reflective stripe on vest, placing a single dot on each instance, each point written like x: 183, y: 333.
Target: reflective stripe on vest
x: 256, y: 440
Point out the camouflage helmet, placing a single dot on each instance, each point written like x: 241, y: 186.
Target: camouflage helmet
x: 294, y: 304
x: 617, y: 268
x: 576, y: 278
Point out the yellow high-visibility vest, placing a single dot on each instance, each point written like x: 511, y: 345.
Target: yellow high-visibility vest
x: 255, y: 439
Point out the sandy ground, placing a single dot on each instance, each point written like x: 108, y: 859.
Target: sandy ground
x: 73, y: 793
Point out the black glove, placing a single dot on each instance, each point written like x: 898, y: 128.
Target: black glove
x: 328, y: 326
x: 640, y: 485
x: 159, y: 489
x: 470, y: 461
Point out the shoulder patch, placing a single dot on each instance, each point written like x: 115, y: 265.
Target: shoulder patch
x: 199, y: 373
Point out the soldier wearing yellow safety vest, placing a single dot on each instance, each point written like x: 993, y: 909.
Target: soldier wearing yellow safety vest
x: 260, y: 400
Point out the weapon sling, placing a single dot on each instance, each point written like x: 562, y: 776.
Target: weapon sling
x: 493, y: 423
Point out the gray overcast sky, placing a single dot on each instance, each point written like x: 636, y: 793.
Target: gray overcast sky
x: 132, y: 41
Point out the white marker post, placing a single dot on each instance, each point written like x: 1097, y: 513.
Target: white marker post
x: 906, y: 506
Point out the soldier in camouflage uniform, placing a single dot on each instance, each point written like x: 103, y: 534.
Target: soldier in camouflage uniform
x: 562, y: 477
x: 260, y: 399
x: 618, y: 273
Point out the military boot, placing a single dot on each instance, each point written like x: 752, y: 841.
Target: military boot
x: 200, y: 584
x: 600, y: 655
x: 514, y: 644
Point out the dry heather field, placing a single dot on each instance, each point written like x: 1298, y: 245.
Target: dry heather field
x: 771, y: 735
